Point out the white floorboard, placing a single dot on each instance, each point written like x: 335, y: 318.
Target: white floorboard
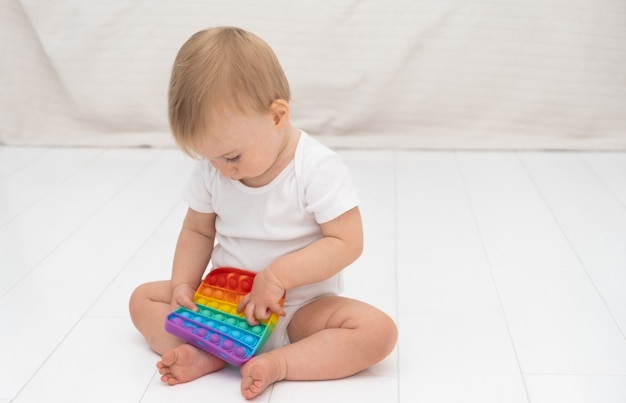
x: 592, y: 216
x: 505, y: 272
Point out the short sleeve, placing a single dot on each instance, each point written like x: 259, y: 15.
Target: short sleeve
x: 329, y: 191
x: 197, y: 195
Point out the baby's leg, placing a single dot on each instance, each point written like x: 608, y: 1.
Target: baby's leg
x: 333, y: 337
x: 149, y: 306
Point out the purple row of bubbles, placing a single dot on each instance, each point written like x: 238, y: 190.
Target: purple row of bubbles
x: 224, y: 343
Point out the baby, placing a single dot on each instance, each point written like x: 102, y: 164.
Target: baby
x: 268, y: 198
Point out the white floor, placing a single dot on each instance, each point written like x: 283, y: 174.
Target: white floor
x: 506, y: 273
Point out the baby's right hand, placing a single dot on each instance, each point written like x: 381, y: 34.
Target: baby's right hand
x: 182, y: 295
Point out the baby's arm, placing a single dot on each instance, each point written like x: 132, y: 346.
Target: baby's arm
x: 192, y: 255
x: 340, y: 245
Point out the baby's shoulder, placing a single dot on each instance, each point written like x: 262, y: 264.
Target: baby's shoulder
x: 312, y: 155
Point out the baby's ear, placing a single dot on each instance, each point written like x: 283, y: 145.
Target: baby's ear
x: 280, y: 113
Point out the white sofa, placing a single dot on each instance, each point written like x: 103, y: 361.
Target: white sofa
x: 430, y: 74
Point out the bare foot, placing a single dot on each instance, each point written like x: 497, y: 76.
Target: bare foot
x: 259, y: 373
x: 186, y: 363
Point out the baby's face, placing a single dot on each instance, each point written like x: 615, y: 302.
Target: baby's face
x: 242, y: 146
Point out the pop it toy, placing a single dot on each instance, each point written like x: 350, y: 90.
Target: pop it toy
x: 217, y: 327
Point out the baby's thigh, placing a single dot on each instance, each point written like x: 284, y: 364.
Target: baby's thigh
x: 332, y: 312
x: 156, y: 291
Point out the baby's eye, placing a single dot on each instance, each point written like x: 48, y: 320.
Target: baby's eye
x: 233, y: 159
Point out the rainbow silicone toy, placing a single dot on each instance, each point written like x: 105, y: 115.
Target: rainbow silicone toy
x: 217, y: 327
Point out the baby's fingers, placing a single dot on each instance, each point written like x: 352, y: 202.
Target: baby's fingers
x: 182, y: 296
x: 243, y: 303
x: 189, y: 304
x: 250, y: 314
x: 278, y: 310
x: 262, y: 312
x: 186, y: 303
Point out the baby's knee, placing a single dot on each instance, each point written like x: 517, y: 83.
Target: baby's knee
x: 384, y: 334
x: 138, y: 298
x: 392, y: 334
x: 133, y: 301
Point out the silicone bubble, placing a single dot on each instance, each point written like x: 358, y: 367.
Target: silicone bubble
x: 215, y: 338
x: 249, y: 340
x: 246, y: 285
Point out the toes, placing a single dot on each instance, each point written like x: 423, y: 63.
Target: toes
x: 252, y: 386
x: 168, y: 358
x: 256, y: 386
x: 169, y: 379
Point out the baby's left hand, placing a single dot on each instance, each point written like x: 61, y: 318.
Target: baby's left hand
x: 263, y: 299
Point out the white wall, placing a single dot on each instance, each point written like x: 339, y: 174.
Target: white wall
x: 495, y: 74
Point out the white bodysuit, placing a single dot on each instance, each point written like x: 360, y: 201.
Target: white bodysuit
x: 256, y: 225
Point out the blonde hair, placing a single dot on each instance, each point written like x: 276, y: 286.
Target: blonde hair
x: 220, y: 68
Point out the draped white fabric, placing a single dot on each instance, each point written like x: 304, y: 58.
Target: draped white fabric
x: 460, y: 74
